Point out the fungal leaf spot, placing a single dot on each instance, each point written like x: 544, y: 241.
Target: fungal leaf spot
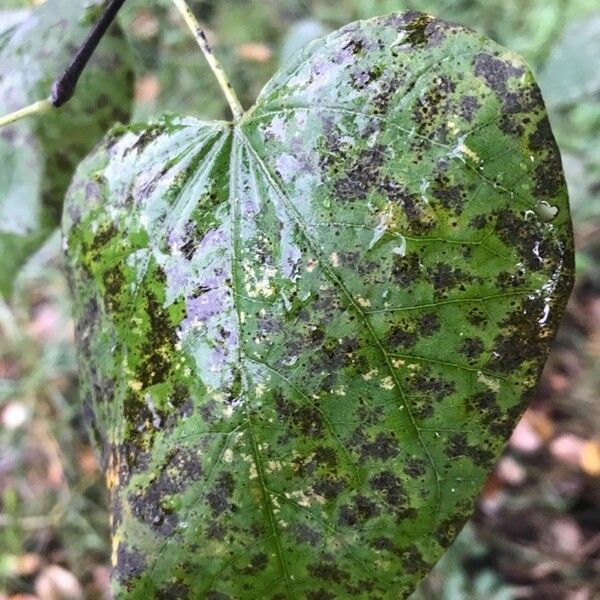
x: 306, y: 337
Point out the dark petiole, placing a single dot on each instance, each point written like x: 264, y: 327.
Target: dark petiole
x: 64, y: 87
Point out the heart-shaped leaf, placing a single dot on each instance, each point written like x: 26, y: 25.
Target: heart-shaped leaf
x: 306, y: 337
x: 40, y: 155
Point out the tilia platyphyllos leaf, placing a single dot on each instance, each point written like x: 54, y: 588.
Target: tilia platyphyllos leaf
x: 305, y: 336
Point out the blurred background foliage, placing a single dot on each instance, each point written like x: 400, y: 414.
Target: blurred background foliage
x: 536, y: 530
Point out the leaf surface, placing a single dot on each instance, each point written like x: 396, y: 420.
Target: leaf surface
x: 304, y: 339
x: 39, y: 156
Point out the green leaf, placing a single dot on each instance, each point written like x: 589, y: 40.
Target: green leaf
x: 10, y: 19
x: 40, y: 156
x: 298, y: 36
x: 21, y: 181
x: 305, y: 338
x: 571, y: 72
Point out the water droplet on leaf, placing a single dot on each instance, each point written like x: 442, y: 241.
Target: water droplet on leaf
x: 545, y: 211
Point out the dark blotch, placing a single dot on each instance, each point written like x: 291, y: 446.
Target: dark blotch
x: 258, y: 563
x: 458, y: 446
x: 306, y: 535
x: 415, y: 467
x: 384, y: 447
x: 471, y: 347
x: 219, y: 497
x: 328, y: 487
x: 180, y: 469
x: 444, y: 276
x: 217, y: 596
x: 399, y: 337
x: 360, y: 510
x: 429, y: 324
x: 412, y: 561
x: 131, y: 563
x: 328, y: 571
x: 306, y: 418
x: 496, y: 73
x: 390, y: 487
x: 361, y: 175
x: 406, y: 269
x: 467, y: 107
x: 416, y: 29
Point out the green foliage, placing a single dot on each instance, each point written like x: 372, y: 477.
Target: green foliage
x: 299, y: 35
x: 305, y: 338
x: 571, y: 85
x: 571, y: 73
x: 39, y: 156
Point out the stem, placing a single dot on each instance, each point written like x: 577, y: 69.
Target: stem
x: 214, y: 64
x: 64, y: 87
x: 37, y: 108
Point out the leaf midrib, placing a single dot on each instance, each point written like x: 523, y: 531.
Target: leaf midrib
x: 342, y: 290
x: 235, y: 168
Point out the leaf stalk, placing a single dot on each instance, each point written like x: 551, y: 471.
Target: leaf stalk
x: 64, y: 87
x: 37, y: 108
x: 216, y: 67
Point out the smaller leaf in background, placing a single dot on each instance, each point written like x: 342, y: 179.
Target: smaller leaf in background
x: 10, y: 19
x: 581, y: 174
x: 449, y: 580
x: 570, y: 82
x: 299, y: 34
x: 572, y: 72
x: 39, y: 157
x: 20, y: 185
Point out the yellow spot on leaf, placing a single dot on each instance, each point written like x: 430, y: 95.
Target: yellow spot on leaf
x: 368, y: 376
x: 135, y: 385
x: 493, y: 384
x: 387, y: 383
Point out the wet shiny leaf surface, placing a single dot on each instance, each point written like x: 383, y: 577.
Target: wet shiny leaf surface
x: 304, y: 339
x: 39, y: 156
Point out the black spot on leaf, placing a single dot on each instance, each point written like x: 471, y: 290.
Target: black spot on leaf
x: 219, y: 497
